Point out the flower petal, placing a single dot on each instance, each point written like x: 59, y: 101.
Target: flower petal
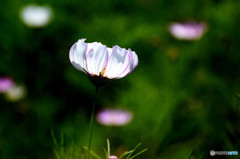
x: 91, y: 46
x: 77, y: 55
x: 124, y: 72
x: 117, y: 63
x: 96, y: 58
x: 134, y: 59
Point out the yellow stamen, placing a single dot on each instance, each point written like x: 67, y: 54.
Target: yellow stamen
x: 103, y: 71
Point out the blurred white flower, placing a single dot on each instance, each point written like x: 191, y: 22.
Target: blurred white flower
x: 112, y: 157
x: 189, y: 30
x: 114, y: 117
x: 17, y: 92
x: 6, y: 83
x: 35, y: 15
x: 97, y: 60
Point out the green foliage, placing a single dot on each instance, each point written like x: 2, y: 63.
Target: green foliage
x: 182, y: 94
x: 62, y: 153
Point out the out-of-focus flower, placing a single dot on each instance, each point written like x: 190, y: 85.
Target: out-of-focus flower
x: 189, y: 30
x: 35, y: 15
x: 6, y: 83
x: 102, y: 63
x: 17, y: 92
x: 114, y: 117
x: 112, y: 157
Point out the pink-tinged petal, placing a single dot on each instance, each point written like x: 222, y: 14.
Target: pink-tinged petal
x: 91, y: 46
x: 124, y: 73
x: 97, y: 59
x: 126, y: 70
x: 112, y: 157
x: 77, y: 55
x: 88, y: 55
x: 109, y: 52
x: 134, y: 59
x: 118, y: 62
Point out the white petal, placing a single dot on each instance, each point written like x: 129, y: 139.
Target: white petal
x: 109, y: 52
x: 124, y: 73
x: 77, y: 55
x: 133, y: 64
x: 117, y: 63
x: 134, y: 59
x: 130, y: 66
x: 97, y: 59
x: 91, y: 46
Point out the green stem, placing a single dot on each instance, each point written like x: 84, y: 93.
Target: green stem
x: 92, y: 122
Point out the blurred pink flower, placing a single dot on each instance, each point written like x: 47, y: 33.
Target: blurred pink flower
x: 189, y: 30
x: 114, y: 117
x: 112, y: 157
x: 6, y: 84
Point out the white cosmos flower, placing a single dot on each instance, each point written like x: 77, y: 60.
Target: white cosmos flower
x: 35, y: 15
x: 97, y: 60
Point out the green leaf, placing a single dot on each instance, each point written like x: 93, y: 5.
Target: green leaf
x: 134, y: 150
x: 190, y: 155
x: 62, y: 143
x: 108, y: 147
x: 106, y: 154
x: 71, y: 150
x: 82, y: 156
x: 126, y: 153
x: 62, y: 139
x: 238, y: 95
x: 92, y: 153
x: 139, y: 153
x: 54, y: 138
x: 58, y: 157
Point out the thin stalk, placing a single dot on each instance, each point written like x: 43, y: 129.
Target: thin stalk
x: 92, y: 122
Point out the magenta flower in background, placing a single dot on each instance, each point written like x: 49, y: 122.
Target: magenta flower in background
x: 189, y: 30
x: 35, y: 15
x: 112, y: 157
x: 114, y: 117
x: 6, y: 84
x: 102, y: 63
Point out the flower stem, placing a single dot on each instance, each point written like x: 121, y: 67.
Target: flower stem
x: 92, y: 122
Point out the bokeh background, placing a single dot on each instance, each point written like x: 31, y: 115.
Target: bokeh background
x: 182, y: 94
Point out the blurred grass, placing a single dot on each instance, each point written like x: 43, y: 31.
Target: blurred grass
x: 182, y: 93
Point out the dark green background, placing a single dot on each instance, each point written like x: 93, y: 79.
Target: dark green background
x: 183, y: 94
